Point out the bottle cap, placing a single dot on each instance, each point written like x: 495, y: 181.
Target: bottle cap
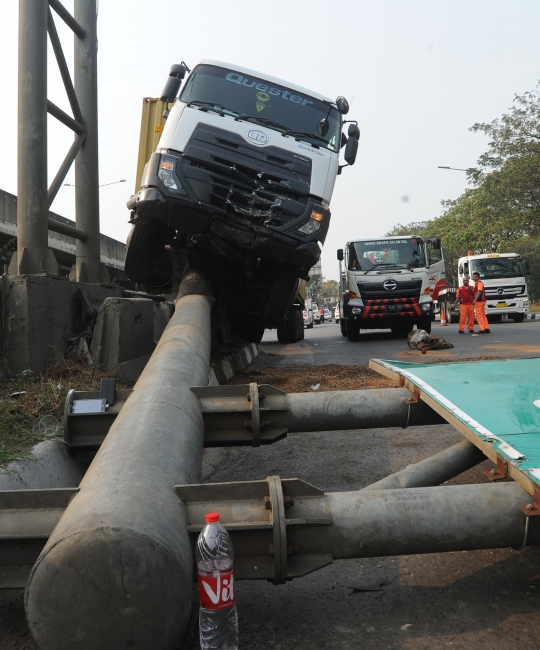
x: 212, y: 517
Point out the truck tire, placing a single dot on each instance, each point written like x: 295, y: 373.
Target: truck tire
x: 494, y: 318
x: 518, y: 318
x: 353, y: 331
x: 281, y: 295
x: 343, y: 327
x: 288, y: 329
x: 425, y: 324
x: 450, y: 318
x: 144, y: 248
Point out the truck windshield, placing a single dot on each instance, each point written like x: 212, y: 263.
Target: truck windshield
x: 497, y: 267
x: 379, y: 254
x: 266, y: 103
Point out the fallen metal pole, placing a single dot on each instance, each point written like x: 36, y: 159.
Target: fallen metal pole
x: 117, y: 570
x: 254, y: 415
x: 434, y: 470
x: 284, y: 529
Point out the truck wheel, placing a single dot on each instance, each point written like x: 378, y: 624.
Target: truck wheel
x: 144, y: 251
x: 518, y: 318
x: 281, y: 295
x: 425, y: 324
x: 343, y: 327
x: 353, y: 331
x: 287, y: 331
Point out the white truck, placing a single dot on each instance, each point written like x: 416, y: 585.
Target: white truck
x: 389, y: 282
x: 503, y: 275
x: 239, y: 187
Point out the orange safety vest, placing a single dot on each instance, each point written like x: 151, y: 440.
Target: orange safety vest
x: 466, y: 294
x: 479, y: 286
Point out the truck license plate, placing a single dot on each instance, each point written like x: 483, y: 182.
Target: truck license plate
x: 502, y: 304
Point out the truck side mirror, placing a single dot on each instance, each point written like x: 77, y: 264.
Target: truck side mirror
x: 340, y: 254
x: 351, y: 149
x: 342, y: 105
x: 436, y: 243
x: 173, y: 83
x: 354, y: 131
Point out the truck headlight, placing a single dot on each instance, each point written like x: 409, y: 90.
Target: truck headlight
x: 425, y: 306
x: 356, y: 310
x: 526, y: 302
x: 168, y: 177
x: 314, y: 222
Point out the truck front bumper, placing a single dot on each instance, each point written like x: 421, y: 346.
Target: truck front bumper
x: 277, y: 239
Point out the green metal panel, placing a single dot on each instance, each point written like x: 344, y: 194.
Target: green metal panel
x: 499, y: 401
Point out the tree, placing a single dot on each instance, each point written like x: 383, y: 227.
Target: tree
x: 330, y: 292
x: 501, y: 213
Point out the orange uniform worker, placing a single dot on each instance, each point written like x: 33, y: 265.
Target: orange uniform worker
x: 480, y: 304
x: 464, y: 298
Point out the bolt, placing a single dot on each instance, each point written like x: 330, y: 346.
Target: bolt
x: 530, y: 506
x: 267, y: 503
x: 288, y: 502
x: 493, y: 472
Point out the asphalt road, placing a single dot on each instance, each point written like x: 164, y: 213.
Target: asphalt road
x: 324, y: 344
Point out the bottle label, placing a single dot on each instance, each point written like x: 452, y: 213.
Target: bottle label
x: 216, y: 592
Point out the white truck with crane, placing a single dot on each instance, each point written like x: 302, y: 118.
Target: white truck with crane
x: 389, y: 282
x: 504, y: 279
x: 239, y: 187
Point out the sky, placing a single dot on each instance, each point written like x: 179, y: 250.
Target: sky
x: 417, y: 73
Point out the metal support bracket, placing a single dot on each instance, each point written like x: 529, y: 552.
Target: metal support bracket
x: 236, y: 415
x: 253, y: 512
x: 499, y: 474
x: 533, y: 509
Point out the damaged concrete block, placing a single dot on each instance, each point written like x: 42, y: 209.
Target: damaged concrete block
x: 124, y: 331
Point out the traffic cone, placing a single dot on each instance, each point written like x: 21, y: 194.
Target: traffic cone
x: 443, y: 314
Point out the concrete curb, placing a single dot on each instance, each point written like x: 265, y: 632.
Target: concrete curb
x: 49, y: 466
x: 222, y: 369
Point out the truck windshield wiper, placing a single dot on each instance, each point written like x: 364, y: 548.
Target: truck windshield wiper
x: 262, y: 120
x: 215, y: 107
x: 306, y: 135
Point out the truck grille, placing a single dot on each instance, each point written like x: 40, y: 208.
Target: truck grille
x: 391, y: 307
x: 376, y: 290
x: 261, y: 184
x: 505, y: 292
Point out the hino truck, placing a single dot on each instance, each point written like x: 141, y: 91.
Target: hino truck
x: 389, y: 282
x: 503, y: 275
x: 239, y: 187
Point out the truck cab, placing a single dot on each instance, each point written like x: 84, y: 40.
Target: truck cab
x: 239, y: 187
x: 503, y: 276
x: 389, y: 282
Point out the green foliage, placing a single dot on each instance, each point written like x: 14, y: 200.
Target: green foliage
x: 322, y: 291
x: 502, y: 212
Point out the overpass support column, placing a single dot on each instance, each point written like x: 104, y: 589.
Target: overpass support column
x: 32, y: 205
x: 86, y: 162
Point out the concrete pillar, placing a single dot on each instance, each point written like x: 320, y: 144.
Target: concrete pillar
x: 86, y: 162
x: 32, y: 206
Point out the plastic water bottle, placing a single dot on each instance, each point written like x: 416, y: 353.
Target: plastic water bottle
x: 218, y: 619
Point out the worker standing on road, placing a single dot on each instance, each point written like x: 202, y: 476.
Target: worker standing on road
x: 464, y: 298
x: 480, y: 304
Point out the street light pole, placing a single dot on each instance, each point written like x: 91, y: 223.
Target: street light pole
x: 457, y: 169
x: 113, y: 183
